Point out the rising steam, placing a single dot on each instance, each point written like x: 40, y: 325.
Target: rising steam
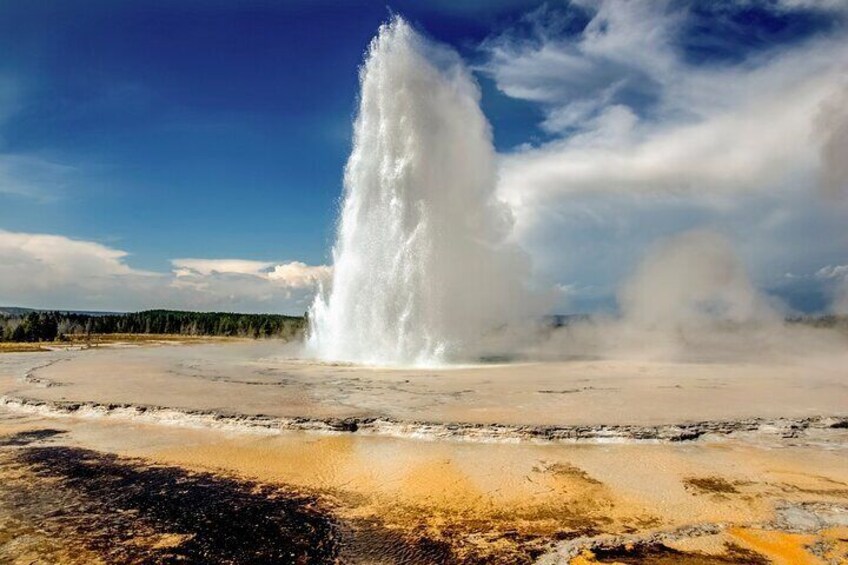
x: 421, y: 267
x: 690, y: 280
x: 690, y: 300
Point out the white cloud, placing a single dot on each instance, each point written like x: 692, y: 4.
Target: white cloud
x: 750, y: 147
x: 28, y: 260
x: 714, y: 129
x: 294, y: 274
x: 189, y: 267
x: 649, y: 143
x: 622, y: 45
x: 300, y: 275
x: 54, y: 271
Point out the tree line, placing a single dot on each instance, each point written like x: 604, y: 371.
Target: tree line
x: 54, y: 325
x: 828, y: 321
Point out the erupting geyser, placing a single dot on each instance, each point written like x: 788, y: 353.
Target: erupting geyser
x: 422, y: 271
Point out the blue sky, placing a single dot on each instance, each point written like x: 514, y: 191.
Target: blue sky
x: 142, y: 137
x: 189, y: 128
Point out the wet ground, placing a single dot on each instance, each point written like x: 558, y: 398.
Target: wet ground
x: 262, y: 378
x: 56, y: 498
x: 107, y: 482
x: 196, y: 497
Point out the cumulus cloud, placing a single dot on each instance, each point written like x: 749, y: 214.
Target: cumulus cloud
x: 300, y: 275
x: 205, y: 267
x: 294, y: 274
x: 54, y: 271
x: 711, y: 129
x: 641, y: 129
x: 40, y: 261
x: 747, y: 149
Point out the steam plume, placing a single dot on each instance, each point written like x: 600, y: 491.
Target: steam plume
x: 421, y: 267
x: 690, y: 299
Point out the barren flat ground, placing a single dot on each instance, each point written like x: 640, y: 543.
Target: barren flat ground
x: 240, y: 452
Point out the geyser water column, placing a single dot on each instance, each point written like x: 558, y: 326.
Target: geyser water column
x: 422, y: 272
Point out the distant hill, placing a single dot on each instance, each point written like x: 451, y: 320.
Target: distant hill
x: 14, y: 311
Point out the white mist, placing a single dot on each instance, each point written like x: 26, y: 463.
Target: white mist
x: 422, y: 271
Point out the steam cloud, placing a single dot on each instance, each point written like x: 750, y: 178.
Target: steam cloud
x: 691, y: 280
x: 690, y: 300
